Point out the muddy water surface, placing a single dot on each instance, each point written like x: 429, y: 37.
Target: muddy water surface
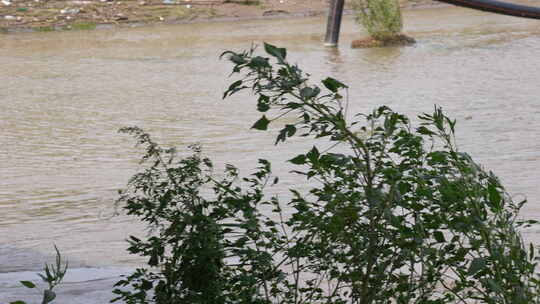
x: 64, y: 95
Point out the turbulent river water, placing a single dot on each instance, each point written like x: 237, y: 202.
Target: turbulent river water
x: 64, y: 95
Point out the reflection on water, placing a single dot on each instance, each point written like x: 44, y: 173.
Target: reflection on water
x: 333, y: 60
x: 63, y: 96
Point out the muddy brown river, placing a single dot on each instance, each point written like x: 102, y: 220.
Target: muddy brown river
x: 64, y: 95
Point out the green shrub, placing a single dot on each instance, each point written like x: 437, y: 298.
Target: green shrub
x: 397, y: 214
x: 83, y: 26
x: 44, y: 29
x: 381, y: 18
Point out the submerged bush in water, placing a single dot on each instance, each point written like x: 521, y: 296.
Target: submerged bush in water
x: 398, y: 214
x: 381, y: 18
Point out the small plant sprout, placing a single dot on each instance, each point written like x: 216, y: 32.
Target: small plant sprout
x: 52, y: 276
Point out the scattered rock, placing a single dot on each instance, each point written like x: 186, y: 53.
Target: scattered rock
x: 145, y: 11
x: 70, y: 11
x: 120, y: 17
x: 275, y: 13
x: 77, y: 2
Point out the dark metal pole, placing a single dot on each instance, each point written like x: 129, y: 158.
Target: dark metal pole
x: 334, y: 23
x: 499, y: 7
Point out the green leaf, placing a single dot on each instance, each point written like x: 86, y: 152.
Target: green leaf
x: 338, y: 158
x: 259, y: 63
x: 263, y: 107
x: 290, y: 130
x: 153, y: 261
x: 237, y: 59
x: 404, y: 187
x: 146, y: 285
x: 48, y: 275
x: 439, y: 236
x: 425, y: 131
x: 280, y: 53
x: 333, y: 85
x: 227, y: 53
x: 28, y: 284
x: 313, y: 155
x: 233, y: 88
x: 48, y: 296
x: 263, y: 103
x: 476, y: 265
x: 494, y: 286
x: 299, y: 159
x: 308, y: 93
x: 293, y: 105
x: 261, y: 124
x: 18, y: 302
x: 437, y: 157
x: 494, y: 196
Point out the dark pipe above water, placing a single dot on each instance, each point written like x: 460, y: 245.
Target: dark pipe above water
x: 499, y: 7
x: 493, y: 6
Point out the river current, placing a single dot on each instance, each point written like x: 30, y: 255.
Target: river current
x: 64, y: 95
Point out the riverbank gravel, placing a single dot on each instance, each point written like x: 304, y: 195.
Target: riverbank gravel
x: 50, y: 15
